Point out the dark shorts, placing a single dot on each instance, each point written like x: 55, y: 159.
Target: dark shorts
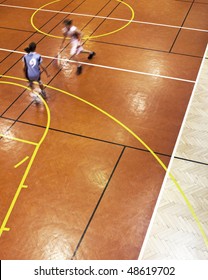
x: 34, y: 79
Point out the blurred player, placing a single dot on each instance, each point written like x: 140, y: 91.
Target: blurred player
x: 32, y: 65
x: 74, y: 34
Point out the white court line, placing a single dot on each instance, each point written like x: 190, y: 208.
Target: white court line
x: 107, y: 67
x: 148, y: 233
x: 111, y: 18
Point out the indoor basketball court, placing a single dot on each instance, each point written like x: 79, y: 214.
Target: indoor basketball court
x: 81, y: 172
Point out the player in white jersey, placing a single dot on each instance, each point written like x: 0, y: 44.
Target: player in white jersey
x: 75, y: 35
x: 32, y: 64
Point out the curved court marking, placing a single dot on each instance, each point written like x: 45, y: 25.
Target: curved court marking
x: 190, y: 207
x: 85, y: 37
x: 37, y: 146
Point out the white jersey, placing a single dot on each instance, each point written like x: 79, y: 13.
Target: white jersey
x: 71, y: 32
x: 76, y: 45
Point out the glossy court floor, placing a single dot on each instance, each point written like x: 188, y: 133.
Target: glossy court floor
x: 81, y: 174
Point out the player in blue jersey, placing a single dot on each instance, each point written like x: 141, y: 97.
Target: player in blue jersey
x: 32, y: 68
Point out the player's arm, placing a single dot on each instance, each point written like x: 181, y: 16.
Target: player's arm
x: 63, y: 40
x: 24, y: 67
x: 79, y: 34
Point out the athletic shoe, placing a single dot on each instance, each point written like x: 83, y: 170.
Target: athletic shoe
x: 79, y: 69
x: 91, y: 55
x: 43, y: 94
x: 37, y: 100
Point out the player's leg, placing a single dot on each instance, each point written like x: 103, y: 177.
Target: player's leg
x: 33, y: 94
x: 74, y: 52
x: 42, y: 88
x: 31, y: 85
x: 91, y: 53
x: 79, y: 65
x: 32, y: 88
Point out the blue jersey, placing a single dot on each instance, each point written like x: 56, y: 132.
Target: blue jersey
x: 32, y: 62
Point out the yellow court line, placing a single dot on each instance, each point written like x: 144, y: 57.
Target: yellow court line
x: 21, y: 162
x: 22, y: 183
x: 190, y: 207
x: 85, y: 37
x: 17, y: 139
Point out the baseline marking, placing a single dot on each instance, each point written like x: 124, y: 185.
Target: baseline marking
x: 190, y: 207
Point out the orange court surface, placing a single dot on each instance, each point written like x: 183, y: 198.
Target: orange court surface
x: 81, y: 172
